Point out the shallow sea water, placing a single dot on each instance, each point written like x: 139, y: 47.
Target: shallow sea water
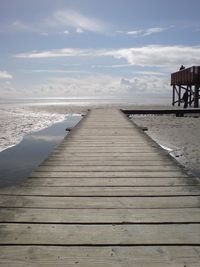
x: 17, y: 162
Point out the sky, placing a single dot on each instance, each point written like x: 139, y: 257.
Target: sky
x: 96, y: 48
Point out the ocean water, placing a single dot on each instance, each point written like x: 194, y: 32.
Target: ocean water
x: 83, y: 101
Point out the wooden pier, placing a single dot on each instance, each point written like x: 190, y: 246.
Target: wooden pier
x: 176, y: 112
x: 106, y: 196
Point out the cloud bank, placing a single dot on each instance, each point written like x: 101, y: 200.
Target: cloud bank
x: 5, y: 75
x: 146, y: 56
x: 146, y: 32
x: 99, y: 86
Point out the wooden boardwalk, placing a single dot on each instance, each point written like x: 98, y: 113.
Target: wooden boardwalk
x: 106, y: 196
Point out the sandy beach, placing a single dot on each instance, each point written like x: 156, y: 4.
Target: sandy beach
x: 180, y: 136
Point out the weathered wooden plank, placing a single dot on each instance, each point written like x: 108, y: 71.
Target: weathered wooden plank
x: 117, y: 216
x: 103, y: 145
x: 106, y: 143
x: 93, y: 142
x: 104, y: 154
x: 110, y: 144
x: 134, y: 135
x: 102, y: 162
x: 107, y: 133
x: 49, y: 234
x: 118, y: 168
x: 89, y: 152
x: 112, y: 256
x: 103, y: 191
x: 110, y: 157
x: 100, y: 202
x: 136, y: 174
x: 111, y: 135
x: 120, y: 127
x: 114, y: 126
x: 99, y: 146
x: 110, y: 182
x: 106, y: 138
x: 104, y: 149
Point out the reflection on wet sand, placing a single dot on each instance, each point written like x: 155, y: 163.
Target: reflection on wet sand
x: 17, y: 162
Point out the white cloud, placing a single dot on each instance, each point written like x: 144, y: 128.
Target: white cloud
x: 76, y: 20
x: 7, y: 82
x: 44, y: 34
x: 154, y: 73
x: 87, y: 86
x: 150, y: 85
x: 153, y: 30
x: 134, y: 33
x: 5, y: 75
x: 150, y: 56
x: 21, y: 27
x: 66, y: 32
x: 112, y: 66
x: 58, y: 71
x: 159, y: 56
x: 57, y: 23
x: 146, y: 32
x: 79, y: 30
x: 65, y: 52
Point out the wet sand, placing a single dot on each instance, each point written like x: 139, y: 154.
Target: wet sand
x: 16, y: 121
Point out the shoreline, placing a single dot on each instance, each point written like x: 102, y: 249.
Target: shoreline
x: 17, y: 162
x: 17, y: 121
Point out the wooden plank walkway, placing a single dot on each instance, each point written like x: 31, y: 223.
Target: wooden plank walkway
x: 106, y: 196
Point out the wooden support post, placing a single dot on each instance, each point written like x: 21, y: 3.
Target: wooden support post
x: 173, y: 95
x: 190, y: 94
x: 179, y: 96
x: 196, y: 96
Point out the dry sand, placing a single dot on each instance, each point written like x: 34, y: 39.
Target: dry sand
x: 179, y: 135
